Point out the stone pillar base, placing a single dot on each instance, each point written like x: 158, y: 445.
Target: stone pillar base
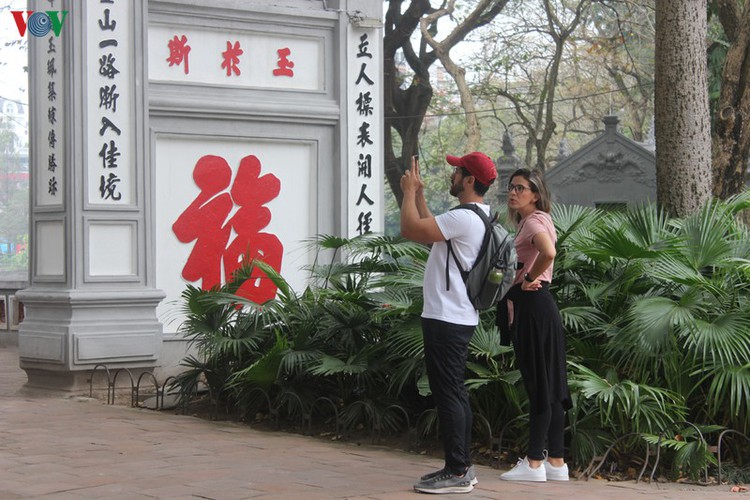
x: 69, y: 333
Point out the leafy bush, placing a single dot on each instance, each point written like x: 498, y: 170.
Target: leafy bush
x: 655, y: 310
x: 657, y: 318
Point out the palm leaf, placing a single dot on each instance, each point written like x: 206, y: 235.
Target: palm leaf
x: 326, y: 241
x: 396, y: 299
x: 485, y: 343
x: 328, y: 365
x: 486, y: 376
x: 692, y: 455
x: 423, y: 386
x: 738, y: 202
x: 295, y: 361
x: 283, y: 287
x: 264, y: 371
x: 729, y: 384
x: 650, y: 227
x: 407, y: 341
x: 581, y: 318
x: 388, y: 246
x: 675, y: 269
x: 724, y: 340
x: 614, y: 243
x: 405, y: 371
x: 570, y: 218
x: 626, y: 405
x: 704, y: 235
x: 651, y: 321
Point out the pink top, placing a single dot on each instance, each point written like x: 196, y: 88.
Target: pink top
x: 531, y: 225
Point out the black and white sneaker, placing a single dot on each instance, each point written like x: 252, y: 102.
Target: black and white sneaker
x: 445, y: 482
x: 471, y: 472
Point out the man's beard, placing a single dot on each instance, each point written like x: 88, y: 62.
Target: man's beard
x: 456, y: 189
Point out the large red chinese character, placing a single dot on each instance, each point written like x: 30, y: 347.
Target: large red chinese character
x: 232, y: 58
x: 206, y: 221
x: 178, y: 51
x: 250, y: 192
x: 284, y: 64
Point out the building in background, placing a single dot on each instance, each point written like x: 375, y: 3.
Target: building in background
x: 610, y: 172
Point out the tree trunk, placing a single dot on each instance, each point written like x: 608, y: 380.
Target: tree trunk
x: 683, y: 127
x: 405, y: 116
x: 404, y: 109
x: 473, y: 132
x: 731, y: 137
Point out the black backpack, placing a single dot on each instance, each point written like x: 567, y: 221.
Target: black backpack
x: 494, y: 271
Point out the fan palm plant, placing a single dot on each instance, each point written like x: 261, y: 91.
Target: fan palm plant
x: 655, y: 311
x: 657, y: 317
x: 226, y: 339
x: 333, y: 340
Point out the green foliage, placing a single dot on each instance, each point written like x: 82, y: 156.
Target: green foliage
x: 690, y: 451
x: 657, y: 330
x: 14, y: 203
x: 342, y: 338
x: 657, y: 319
x: 625, y: 405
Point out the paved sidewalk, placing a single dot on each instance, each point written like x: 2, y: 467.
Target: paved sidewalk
x: 67, y: 447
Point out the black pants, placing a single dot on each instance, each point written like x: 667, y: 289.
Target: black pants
x: 539, y: 344
x: 547, y: 423
x: 446, y: 348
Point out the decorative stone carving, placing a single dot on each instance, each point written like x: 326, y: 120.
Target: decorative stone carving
x: 622, y: 170
x: 607, y: 167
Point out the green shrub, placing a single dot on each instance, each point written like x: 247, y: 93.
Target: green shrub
x: 655, y: 310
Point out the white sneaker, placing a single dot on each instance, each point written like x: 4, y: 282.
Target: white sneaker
x: 556, y: 473
x: 523, y: 472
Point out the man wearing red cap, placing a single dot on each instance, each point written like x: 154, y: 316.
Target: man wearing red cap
x: 448, y: 317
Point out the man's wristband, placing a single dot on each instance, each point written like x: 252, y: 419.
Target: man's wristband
x: 526, y: 277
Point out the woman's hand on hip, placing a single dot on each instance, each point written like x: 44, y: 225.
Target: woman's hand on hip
x: 531, y: 286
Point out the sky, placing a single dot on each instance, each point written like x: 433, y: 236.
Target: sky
x: 13, y: 57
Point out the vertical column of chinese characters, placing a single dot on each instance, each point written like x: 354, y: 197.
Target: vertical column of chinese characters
x: 53, y: 48
x: 364, y: 106
x: 109, y: 180
x: 53, y: 158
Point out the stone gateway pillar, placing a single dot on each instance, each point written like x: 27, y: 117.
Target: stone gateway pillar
x: 92, y: 294
x: 171, y: 141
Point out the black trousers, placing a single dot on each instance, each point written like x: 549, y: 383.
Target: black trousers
x: 446, y: 349
x: 539, y: 344
x: 547, y: 423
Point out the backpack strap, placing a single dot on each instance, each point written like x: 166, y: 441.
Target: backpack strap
x: 482, y: 249
x: 464, y: 274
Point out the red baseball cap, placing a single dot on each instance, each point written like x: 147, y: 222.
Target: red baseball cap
x: 478, y: 164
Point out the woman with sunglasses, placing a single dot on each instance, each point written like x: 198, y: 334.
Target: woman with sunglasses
x: 530, y: 315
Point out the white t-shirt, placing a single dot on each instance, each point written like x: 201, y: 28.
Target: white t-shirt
x: 465, y: 230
